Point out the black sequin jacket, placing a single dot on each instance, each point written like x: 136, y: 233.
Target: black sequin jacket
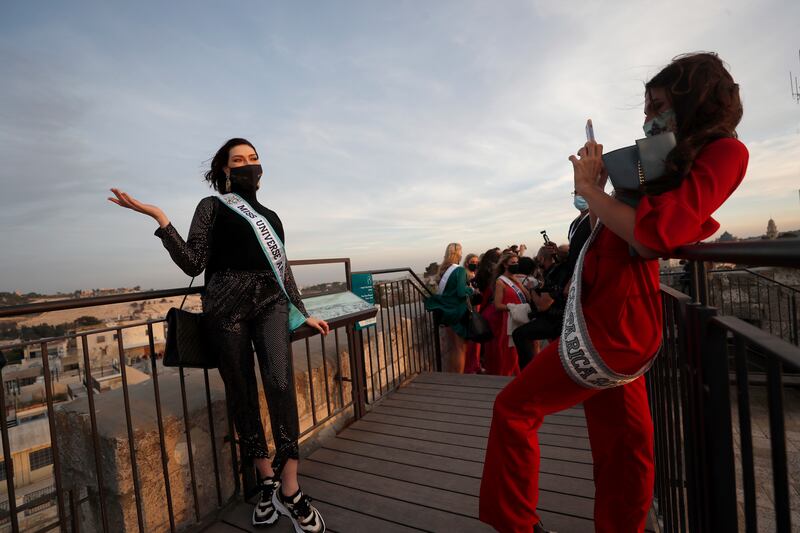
x: 220, y: 241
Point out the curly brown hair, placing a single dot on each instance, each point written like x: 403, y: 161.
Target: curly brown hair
x: 707, y: 107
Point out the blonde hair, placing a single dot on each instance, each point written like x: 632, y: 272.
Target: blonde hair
x: 500, y: 268
x: 452, y: 256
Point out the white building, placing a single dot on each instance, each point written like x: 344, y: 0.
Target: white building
x: 135, y: 341
x: 54, y: 349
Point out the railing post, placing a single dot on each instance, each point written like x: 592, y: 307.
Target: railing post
x: 718, y: 452
x: 794, y: 325
x: 437, y: 345
x: 693, y: 422
x: 699, y: 282
x: 357, y: 373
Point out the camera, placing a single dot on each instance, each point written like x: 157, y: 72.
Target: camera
x: 545, y: 237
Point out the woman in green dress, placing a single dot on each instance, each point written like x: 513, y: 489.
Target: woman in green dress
x: 450, y: 306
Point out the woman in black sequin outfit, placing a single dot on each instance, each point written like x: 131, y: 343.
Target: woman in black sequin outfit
x: 246, y: 307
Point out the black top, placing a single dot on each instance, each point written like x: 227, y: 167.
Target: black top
x: 579, y: 231
x: 220, y: 240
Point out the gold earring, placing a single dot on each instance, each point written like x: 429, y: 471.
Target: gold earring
x: 227, y: 184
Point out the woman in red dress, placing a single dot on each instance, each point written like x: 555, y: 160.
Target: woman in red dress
x: 501, y: 354
x: 602, y: 355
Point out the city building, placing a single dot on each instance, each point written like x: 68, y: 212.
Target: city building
x: 54, y: 349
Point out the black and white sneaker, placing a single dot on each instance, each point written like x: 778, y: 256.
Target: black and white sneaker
x: 539, y: 528
x: 305, y: 517
x: 264, y: 513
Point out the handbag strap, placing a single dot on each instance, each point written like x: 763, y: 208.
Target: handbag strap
x: 187, y: 294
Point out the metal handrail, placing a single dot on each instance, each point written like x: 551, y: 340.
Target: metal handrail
x: 774, y: 345
x: 397, y: 270
x: 93, y: 301
x: 756, y: 274
x: 778, y: 252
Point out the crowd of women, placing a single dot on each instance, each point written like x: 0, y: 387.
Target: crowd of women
x: 504, y: 286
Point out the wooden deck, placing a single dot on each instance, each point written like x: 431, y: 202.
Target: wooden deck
x: 414, y: 464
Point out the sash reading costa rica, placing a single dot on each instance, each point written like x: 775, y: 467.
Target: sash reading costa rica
x: 271, y: 245
x: 581, y: 361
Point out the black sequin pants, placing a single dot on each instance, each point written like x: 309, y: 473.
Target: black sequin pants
x: 246, y: 310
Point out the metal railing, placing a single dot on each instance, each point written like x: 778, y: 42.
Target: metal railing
x: 404, y: 328
x: 751, y: 296
x: 405, y: 340
x: 703, y: 438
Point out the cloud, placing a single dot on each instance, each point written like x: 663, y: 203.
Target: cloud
x: 385, y: 132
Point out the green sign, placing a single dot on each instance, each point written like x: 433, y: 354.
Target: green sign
x: 363, y: 288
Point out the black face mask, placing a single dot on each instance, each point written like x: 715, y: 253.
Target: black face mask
x: 513, y: 269
x: 246, y: 178
x: 472, y: 267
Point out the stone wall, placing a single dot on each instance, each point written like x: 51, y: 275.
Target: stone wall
x: 76, y: 452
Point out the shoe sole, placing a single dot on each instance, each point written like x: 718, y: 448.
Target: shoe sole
x: 266, y: 523
x: 284, y: 511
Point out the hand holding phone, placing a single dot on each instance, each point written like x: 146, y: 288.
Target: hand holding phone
x: 589, y: 131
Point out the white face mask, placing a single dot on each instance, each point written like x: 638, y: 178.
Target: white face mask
x: 580, y: 203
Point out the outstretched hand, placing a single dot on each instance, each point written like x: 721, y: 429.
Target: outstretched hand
x: 123, y: 199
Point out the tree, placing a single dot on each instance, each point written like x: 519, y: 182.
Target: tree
x: 88, y: 321
x: 432, y: 270
x: 9, y: 330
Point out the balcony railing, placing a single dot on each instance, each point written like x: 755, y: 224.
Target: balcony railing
x: 702, y: 389
x: 704, y: 412
x: 750, y: 295
x: 343, y: 374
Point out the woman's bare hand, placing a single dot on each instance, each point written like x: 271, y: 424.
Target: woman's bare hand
x: 123, y: 199
x: 319, y: 325
x: 589, y: 169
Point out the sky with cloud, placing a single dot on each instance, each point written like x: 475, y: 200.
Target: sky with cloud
x: 386, y: 129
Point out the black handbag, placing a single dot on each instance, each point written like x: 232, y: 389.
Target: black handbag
x: 186, y: 343
x: 477, y: 327
x: 630, y: 168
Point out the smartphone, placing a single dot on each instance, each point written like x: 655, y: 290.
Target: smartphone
x: 544, y: 235
x: 589, y: 131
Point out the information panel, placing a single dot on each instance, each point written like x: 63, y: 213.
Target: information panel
x: 363, y: 288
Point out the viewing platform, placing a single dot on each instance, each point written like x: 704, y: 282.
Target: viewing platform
x: 414, y: 463
x: 389, y: 442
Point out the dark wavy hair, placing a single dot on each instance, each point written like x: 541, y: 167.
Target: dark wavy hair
x: 707, y: 107
x: 483, y: 277
x: 215, y: 176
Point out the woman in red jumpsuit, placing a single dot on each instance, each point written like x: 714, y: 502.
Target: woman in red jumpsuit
x: 695, y: 97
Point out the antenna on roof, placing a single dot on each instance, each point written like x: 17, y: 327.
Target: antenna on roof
x: 793, y: 85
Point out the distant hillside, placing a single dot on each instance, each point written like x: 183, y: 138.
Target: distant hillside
x: 12, y: 298
x: 324, y: 288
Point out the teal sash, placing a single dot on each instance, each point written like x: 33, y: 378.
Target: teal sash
x: 272, y: 246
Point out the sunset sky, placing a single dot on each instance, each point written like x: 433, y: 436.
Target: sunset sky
x: 386, y: 129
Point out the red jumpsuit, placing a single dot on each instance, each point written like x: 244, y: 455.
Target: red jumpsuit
x: 622, y: 307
